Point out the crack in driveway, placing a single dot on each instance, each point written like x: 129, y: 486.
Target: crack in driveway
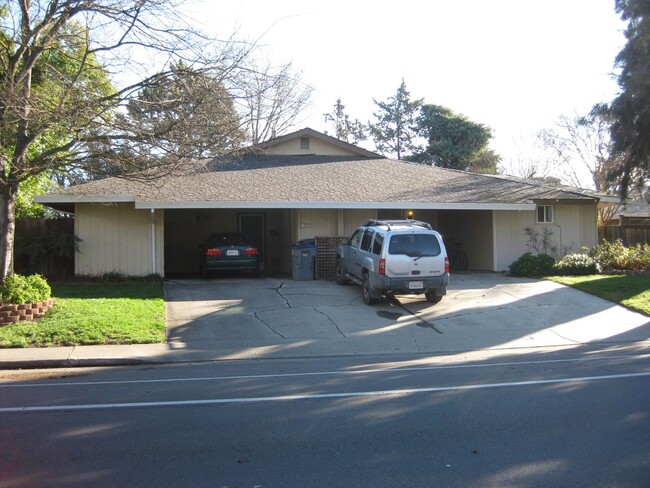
x: 256, y: 315
x: 277, y: 290
x: 330, y: 319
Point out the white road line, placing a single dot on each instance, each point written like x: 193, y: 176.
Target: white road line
x: 315, y: 373
x: 285, y: 398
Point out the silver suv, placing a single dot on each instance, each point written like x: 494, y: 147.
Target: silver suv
x: 394, y: 257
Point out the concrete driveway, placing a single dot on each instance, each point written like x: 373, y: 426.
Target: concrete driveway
x: 267, y: 317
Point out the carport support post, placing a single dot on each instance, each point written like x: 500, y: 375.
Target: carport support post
x: 153, y: 241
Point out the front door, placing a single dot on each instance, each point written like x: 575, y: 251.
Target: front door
x: 252, y: 225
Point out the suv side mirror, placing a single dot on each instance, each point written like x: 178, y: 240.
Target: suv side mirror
x: 345, y: 241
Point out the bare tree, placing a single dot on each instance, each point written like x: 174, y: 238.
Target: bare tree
x: 582, y: 147
x: 270, y: 99
x: 530, y: 161
x: 70, y: 69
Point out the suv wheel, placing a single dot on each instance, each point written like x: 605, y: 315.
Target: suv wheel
x: 432, y: 297
x: 366, y: 290
x: 340, y: 273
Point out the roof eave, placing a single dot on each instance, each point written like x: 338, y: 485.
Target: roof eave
x: 333, y: 205
x: 68, y: 198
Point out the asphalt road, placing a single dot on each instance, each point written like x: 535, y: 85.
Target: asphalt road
x: 573, y: 417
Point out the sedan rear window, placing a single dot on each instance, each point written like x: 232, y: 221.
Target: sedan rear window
x: 414, y: 245
x: 227, y: 239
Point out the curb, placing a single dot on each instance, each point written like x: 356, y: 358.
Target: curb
x: 76, y: 363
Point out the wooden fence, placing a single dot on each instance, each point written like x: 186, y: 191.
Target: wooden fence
x: 326, y: 257
x: 46, y: 247
x: 632, y: 231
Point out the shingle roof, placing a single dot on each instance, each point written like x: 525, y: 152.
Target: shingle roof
x: 295, y: 181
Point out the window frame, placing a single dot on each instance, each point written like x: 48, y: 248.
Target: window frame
x: 357, y: 234
x: 544, y: 209
x: 378, y: 240
x: 366, y: 240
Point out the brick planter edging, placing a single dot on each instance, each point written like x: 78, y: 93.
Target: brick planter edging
x: 10, y: 313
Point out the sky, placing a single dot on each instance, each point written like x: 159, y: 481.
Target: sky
x: 513, y: 65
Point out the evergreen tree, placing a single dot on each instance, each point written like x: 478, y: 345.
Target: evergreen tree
x: 395, y: 129
x: 630, y: 110
x: 352, y: 131
x: 454, y: 141
x: 188, y: 112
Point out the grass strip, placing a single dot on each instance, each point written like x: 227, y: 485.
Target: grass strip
x: 88, y: 314
x: 631, y: 291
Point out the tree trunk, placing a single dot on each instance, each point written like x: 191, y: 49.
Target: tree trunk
x: 7, y: 228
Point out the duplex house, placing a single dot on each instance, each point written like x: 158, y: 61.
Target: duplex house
x: 307, y: 184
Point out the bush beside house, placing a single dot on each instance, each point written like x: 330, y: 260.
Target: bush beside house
x: 608, y: 257
x: 24, y: 298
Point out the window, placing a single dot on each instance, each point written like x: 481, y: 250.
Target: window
x: 356, y: 237
x: 377, y: 245
x: 304, y: 143
x: 544, y: 214
x: 414, y: 245
x: 366, y: 240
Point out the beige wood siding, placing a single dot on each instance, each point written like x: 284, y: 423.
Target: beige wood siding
x: 509, y: 236
x: 351, y: 219
x: 117, y: 238
x: 316, y: 146
x: 589, y: 223
x: 315, y: 222
x: 573, y: 227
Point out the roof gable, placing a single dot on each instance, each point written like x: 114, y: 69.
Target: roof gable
x: 311, y: 142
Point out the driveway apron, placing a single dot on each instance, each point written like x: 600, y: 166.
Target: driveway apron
x: 275, y: 317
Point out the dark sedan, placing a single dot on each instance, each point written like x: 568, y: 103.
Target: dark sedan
x: 229, y: 251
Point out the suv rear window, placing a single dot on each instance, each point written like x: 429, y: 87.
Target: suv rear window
x: 414, y: 245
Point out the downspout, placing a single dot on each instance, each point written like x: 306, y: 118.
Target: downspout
x: 495, y: 254
x: 153, y: 241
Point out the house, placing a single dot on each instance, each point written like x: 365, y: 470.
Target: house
x: 308, y: 184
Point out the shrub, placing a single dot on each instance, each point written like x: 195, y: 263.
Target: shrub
x: 532, y: 265
x: 577, y: 264
x: 615, y: 256
x: 19, y: 289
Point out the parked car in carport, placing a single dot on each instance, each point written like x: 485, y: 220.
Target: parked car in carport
x: 229, y: 251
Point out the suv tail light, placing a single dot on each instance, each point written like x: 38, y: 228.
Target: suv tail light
x: 250, y: 251
x: 213, y: 252
x: 446, y: 265
x: 382, y: 267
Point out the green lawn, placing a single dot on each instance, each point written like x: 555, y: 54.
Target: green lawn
x: 93, y: 313
x: 628, y: 290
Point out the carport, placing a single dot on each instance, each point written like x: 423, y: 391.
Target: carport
x: 276, y: 230
x: 187, y: 229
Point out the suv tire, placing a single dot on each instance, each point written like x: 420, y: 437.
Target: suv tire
x: 367, y: 290
x: 431, y: 296
x: 340, y: 273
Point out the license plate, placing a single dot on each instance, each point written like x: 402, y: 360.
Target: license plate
x: 416, y: 285
x: 232, y: 252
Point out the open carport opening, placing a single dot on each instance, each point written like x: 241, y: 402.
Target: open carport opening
x: 276, y: 230
x: 471, y: 231
x: 187, y: 229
